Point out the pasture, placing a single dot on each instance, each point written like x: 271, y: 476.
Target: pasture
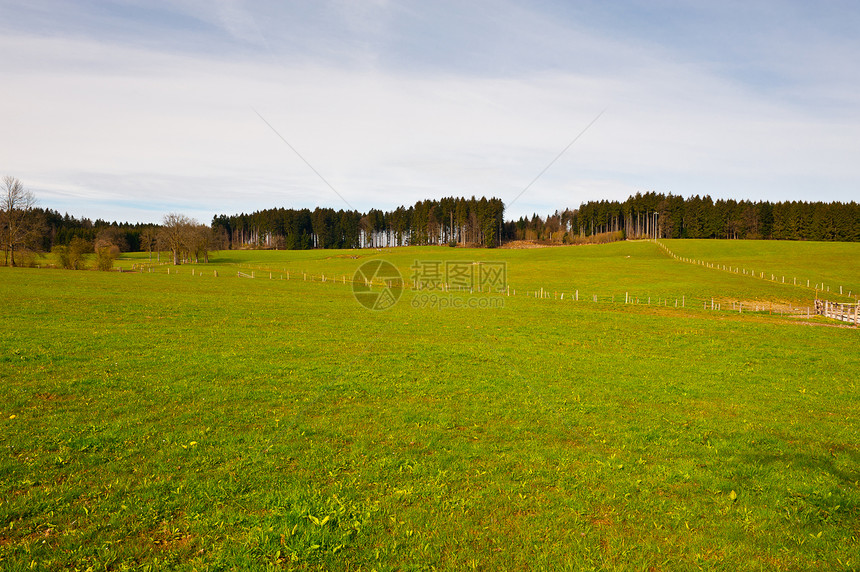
x: 152, y: 420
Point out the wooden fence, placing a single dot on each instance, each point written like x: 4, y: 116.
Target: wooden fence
x: 792, y: 280
x: 838, y: 311
x: 845, y: 312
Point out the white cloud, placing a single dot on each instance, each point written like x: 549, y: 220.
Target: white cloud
x: 109, y: 130
x: 240, y: 23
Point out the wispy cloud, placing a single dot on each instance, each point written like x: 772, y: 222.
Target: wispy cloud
x: 429, y: 102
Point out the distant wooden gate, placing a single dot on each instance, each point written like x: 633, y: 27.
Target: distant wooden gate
x: 838, y: 311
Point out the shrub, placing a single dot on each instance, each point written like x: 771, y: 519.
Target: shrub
x: 105, y: 257
x: 62, y: 255
x: 71, y: 257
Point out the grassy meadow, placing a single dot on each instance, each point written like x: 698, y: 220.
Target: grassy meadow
x: 831, y: 265
x: 152, y: 420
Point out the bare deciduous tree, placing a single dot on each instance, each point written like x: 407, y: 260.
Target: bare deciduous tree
x: 19, y: 224
x: 200, y: 241
x: 186, y: 238
x: 148, y: 240
x: 173, y: 234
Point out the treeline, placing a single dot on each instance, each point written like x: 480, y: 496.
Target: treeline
x: 473, y: 222
x: 60, y: 229
x: 479, y: 222
x: 26, y: 229
x: 192, y: 240
x: 669, y: 216
x: 70, y: 239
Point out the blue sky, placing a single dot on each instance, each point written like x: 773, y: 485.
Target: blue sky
x: 127, y: 110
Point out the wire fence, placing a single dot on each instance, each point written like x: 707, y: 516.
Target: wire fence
x: 682, y: 302
x: 762, y: 275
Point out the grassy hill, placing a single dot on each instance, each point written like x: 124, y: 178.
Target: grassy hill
x: 832, y: 265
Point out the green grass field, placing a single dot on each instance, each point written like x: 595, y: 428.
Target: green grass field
x: 831, y: 265
x: 153, y: 421
x: 636, y: 269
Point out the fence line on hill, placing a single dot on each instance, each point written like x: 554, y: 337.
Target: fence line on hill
x: 779, y: 279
